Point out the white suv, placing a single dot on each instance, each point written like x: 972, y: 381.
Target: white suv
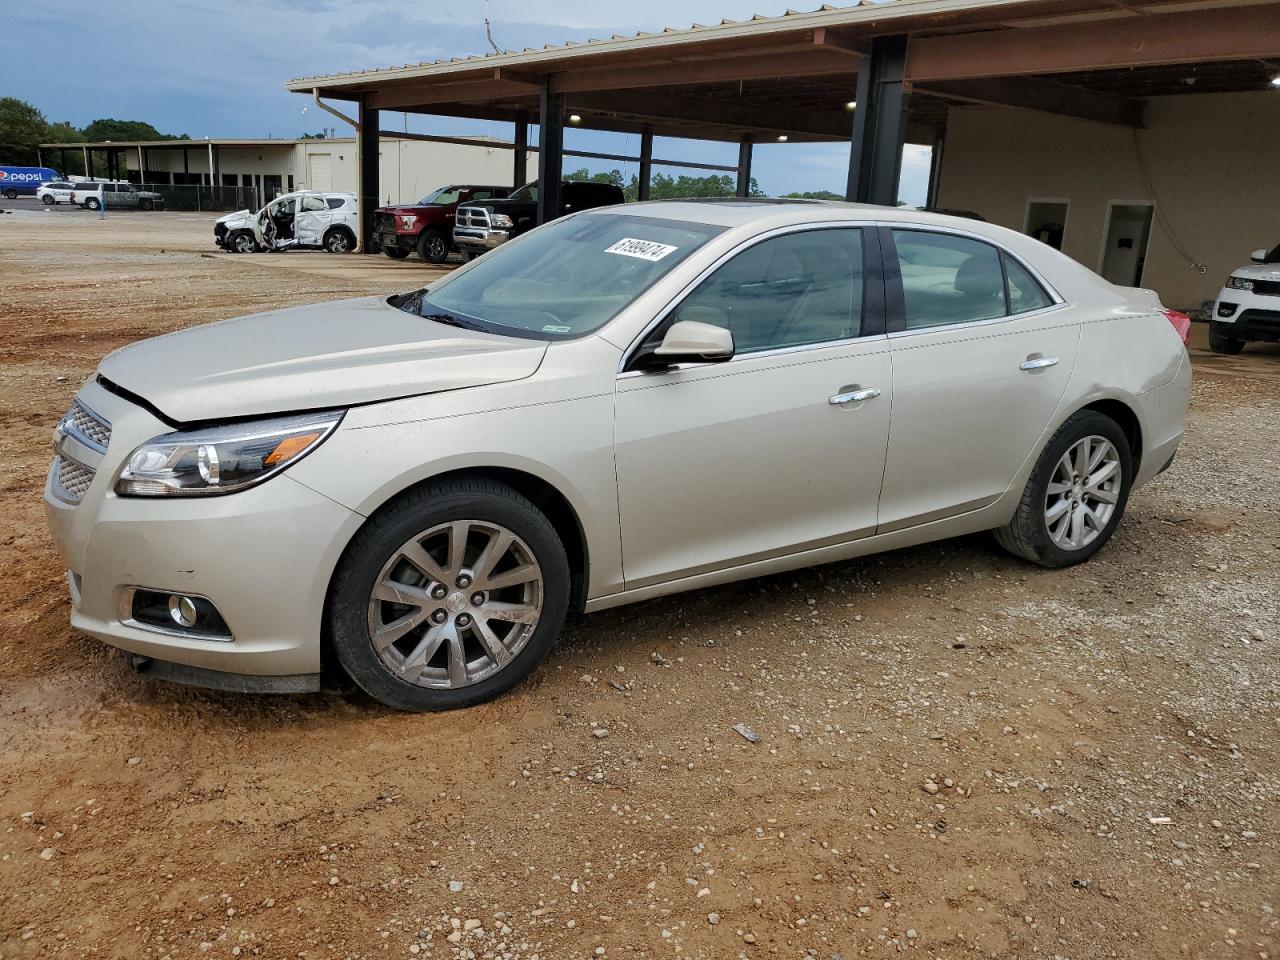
x: 95, y: 194
x: 325, y: 221
x: 1248, y: 305
x: 55, y: 191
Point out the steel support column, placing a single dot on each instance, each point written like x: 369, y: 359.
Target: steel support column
x: 879, y: 123
x: 744, y: 167
x: 88, y: 163
x: 550, y: 152
x: 935, y: 168
x: 520, y: 164
x: 645, y: 182
x: 367, y: 163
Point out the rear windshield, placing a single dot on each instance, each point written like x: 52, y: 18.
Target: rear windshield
x: 565, y: 279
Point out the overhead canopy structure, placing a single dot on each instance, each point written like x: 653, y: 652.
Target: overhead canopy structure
x: 797, y: 77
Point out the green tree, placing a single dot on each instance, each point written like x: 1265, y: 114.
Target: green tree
x: 814, y: 195
x: 312, y: 136
x: 110, y: 129
x: 22, y: 129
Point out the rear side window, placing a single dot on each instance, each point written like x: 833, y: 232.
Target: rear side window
x: 948, y: 279
x: 335, y: 202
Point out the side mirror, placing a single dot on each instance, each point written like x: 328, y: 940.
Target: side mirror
x: 691, y: 341
x: 1258, y: 256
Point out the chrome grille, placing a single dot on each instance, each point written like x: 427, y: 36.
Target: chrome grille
x: 71, y: 479
x: 475, y: 217
x: 87, y: 426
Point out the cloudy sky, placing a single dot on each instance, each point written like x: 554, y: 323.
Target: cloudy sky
x: 218, y: 69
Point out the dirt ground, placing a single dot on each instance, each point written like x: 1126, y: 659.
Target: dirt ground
x: 961, y: 755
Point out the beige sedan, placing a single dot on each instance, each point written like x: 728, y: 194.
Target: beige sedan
x: 622, y: 404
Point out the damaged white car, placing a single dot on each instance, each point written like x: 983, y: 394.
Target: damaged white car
x: 305, y: 219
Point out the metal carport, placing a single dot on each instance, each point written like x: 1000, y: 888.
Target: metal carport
x: 797, y: 77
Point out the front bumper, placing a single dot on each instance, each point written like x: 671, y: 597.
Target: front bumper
x: 263, y: 557
x: 1245, y: 315
x: 473, y: 239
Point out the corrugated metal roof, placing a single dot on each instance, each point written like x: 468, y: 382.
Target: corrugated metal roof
x: 862, y: 12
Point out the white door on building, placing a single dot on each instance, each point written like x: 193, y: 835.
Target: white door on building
x: 1125, y: 252
x: 320, y: 172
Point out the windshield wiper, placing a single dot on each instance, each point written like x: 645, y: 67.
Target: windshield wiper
x: 452, y: 320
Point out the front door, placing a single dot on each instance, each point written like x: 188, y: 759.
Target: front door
x: 979, y: 367
x: 780, y: 449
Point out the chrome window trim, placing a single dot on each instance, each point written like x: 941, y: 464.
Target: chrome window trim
x: 880, y: 338
x: 688, y: 289
x: 1059, y: 302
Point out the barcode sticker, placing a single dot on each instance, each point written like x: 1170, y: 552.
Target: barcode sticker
x: 641, y: 249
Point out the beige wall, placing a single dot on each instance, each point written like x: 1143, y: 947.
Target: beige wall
x: 1213, y: 174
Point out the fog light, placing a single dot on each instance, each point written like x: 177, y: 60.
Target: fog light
x: 182, y: 610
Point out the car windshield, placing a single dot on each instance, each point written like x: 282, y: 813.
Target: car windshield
x: 562, y: 280
x: 440, y: 198
x: 528, y: 192
x: 1274, y: 255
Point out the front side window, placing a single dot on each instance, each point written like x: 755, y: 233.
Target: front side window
x: 564, y: 279
x: 948, y: 279
x: 790, y: 290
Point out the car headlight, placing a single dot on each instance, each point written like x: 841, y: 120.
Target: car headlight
x: 1239, y: 283
x: 500, y: 220
x: 222, y: 459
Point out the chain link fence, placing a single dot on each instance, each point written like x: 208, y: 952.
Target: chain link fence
x: 200, y: 197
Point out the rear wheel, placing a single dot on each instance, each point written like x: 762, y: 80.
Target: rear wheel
x: 1220, y: 342
x: 449, y: 597
x: 395, y: 253
x: 11, y: 194
x: 1076, y: 494
x: 433, y: 247
x: 339, y: 240
x: 47, y: 200
x: 93, y: 203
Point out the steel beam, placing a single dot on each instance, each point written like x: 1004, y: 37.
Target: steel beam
x: 879, y: 124
x: 367, y: 197
x: 1047, y: 96
x: 645, y: 178
x: 520, y: 165
x: 551, y: 149
x: 744, y: 167
x: 722, y: 113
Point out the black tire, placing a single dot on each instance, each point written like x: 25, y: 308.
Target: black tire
x: 146, y: 205
x: 395, y: 253
x: 339, y: 240
x: 433, y: 246
x: 407, y: 517
x: 1219, y: 342
x: 11, y: 194
x: 93, y: 203
x: 47, y: 200
x: 1027, y: 536
x: 242, y: 241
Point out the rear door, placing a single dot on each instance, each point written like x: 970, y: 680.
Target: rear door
x: 312, y: 220
x: 982, y: 352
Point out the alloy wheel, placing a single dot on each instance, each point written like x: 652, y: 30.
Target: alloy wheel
x: 1083, y: 492
x: 436, y: 249
x: 455, y: 604
x: 337, y: 242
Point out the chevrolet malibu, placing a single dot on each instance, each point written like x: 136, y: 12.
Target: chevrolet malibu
x: 625, y: 403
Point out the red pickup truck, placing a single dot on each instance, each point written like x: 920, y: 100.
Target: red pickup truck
x: 427, y: 226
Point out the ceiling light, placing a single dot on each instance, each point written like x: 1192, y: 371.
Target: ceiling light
x: 851, y: 106
x: 783, y: 138
x: 574, y: 118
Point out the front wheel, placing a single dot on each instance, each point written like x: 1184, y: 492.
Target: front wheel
x: 339, y: 240
x: 145, y: 204
x: 242, y: 241
x: 449, y: 597
x: 1075, y: 496
x: 1220, y: 342
x: 433, y: 247
x: 395, y: 253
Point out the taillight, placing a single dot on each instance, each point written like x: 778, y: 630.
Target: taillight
x: 1181, y: 323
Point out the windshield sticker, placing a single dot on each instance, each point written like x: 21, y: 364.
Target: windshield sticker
x: 556, y: 328
x: 641, y: 249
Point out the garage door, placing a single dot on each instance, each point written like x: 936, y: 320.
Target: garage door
x: 321, y: 172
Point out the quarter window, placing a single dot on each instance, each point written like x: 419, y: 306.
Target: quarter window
x: 795, y: 289
x: 1024, y: 292
x: 948, y: 279
x: 335, y: 202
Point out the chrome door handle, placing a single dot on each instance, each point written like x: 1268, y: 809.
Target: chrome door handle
x: 853, y: 396
x: 1037, y: 363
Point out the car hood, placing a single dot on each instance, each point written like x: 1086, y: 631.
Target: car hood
x: 1258, y: 271
x: 238, y: 215
x: 303, y: 358
x: 409, y: 208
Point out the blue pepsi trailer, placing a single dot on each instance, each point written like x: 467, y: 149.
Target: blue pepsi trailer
x: 23, y: 181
